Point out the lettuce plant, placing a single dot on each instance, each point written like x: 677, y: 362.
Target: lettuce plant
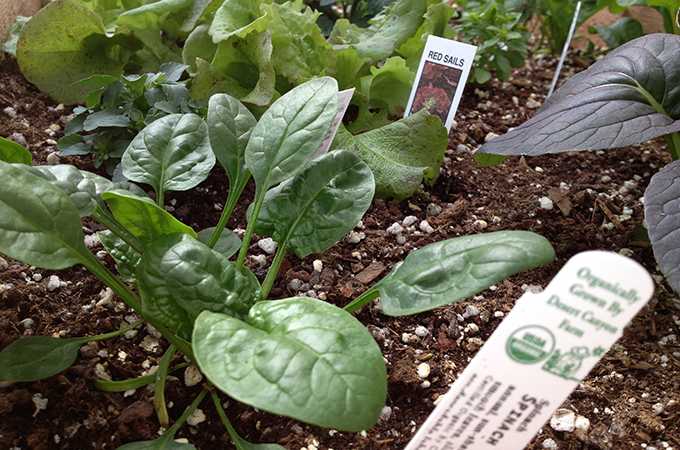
x: 632, y: 95
x: 300, y: 357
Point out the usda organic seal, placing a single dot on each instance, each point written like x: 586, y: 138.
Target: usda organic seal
x: 530, y: 344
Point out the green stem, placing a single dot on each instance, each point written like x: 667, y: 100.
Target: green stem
x: 119, y: 230
x: 257, y: 205
x: 134, y: 383
x: 362, y: 300
x: 159, y: 386
x: 160, y: 196
x: 132, y: 300
x: 232, y: 200
x: 220, y: 411
x: 673, y: 141
x: 272, y: 273
x: 190, y: 409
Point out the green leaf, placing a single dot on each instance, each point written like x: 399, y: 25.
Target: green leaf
x: 448, y: 271
x: 320, y: 205
x: 620, y: 32
x: 228, y: 243
x: 229, y: 127
x: 297, y: 357
x: 125, y: 256
x: 436, y: 24
x: 400, y: 154
x: 301, y: 52
x: 291, y: 131
x: 402, y: 22
x: 83, y: 188
x: 36, y: 357
x: 171, y: 154
x: 39, y: 224
x: 161, y: 443
x: 237, y: 18
x: 11, y: 152
x: 248, y: 61
x: 210, y: 81
x: 391, y: 84
x: 66, y: 42
x: 142, y: 217
x: 198, y: 45
x: 179, y: 277
x: 487, y: 160
x: 10, y: 43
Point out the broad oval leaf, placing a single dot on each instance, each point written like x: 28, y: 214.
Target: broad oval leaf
x: 36, y: 357
x: 229, y: 127
x: 228, y: 244
x: 125, y: 256
x: 39, y: 224
x: 11, y: 152
x: 448, y: 271
x: 142, y: 217
x: 631, y: 95
x: 321, y: 204
x: 662, y: 214
x: 178, y: 278
x: 291, y: 131
x: 298, y: 357
x: 171, y: 154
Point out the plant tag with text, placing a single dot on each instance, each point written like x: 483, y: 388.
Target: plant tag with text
x: 344, y: 97
x: 540, y: 352
x: 441, y: 77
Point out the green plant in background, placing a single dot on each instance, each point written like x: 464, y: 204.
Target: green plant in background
x: 499, y: 35
x: 632, y: 95
x: 123, y: 106
x: 299, y: 357
x: 359, y: 12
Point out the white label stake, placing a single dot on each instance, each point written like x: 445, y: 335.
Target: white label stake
x: 441, y: 77
x: 544, y: 347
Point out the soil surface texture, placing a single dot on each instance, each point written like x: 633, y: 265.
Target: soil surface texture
x: 630, y: 400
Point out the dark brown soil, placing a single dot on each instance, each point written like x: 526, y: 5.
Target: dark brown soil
x: 630, y: 398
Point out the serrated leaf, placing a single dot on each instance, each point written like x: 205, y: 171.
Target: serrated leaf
x: 298, y: 357
x: 237, y: 18
x: 39, y: 224
x: 300, y: 52
x: 178, y: 278
x: 199, y: 44
x: 400, y: 154
x: 142, y: 217
x: 662, y: 214
x: 391, y: 83
x: 36, y: 357
x: 320, y: 205
x: 11, y: 152
x: 402, y: 22
x: 291, y: 131
x: 171, y: 154
x: 632, y: 95
x: 448, y: 271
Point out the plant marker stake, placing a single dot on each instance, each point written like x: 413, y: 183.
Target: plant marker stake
x: 540, y: 352
x: 564, y: 50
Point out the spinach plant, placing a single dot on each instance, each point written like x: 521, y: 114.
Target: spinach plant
x: 120, y: 108
x: 632, y: 95
x: 300, y: 357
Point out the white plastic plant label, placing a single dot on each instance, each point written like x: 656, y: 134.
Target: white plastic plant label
x: 441, y: 77
x: 544, y: 347
x: 344, y: 97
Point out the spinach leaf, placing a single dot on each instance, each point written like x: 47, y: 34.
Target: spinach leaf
x: 298, y: 357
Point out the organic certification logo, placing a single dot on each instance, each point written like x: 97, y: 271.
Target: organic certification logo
x: 530, y: 344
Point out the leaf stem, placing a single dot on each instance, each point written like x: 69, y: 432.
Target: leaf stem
x: 189, y: 411
x: 134, y: 383
x: 362, y: 300
x: 119, y: 230
x: 255, y: 212
x: 232, y: 200
x: 673, y: 141
x: 159, y: 386
x: 272, y: 273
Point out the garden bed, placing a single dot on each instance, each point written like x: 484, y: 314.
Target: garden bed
x: 630, y: 398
